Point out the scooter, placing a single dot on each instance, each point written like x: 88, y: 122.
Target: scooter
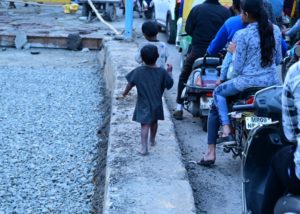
x: 262, y: 143
x: 198, y: 91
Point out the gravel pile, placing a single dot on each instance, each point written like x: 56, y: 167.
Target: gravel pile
x: 51, y: 107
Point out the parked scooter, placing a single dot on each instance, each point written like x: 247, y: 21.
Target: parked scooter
x: 262, y: 143
x: 198, y: 92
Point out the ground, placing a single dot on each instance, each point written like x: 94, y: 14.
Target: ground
x: 216, y: 189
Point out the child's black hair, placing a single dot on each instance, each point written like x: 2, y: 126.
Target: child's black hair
x: 150, y: 29
x: 149, y: 54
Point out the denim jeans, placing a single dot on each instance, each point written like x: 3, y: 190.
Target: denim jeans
x: 220, y: 93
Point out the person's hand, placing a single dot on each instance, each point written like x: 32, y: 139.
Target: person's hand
x: 219, y: 81
x: 284, y: 30
x: 169, y: 68
x: 231, y: 47
x: 120, y: 97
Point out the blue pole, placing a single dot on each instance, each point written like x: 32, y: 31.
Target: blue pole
x: 128, y: 19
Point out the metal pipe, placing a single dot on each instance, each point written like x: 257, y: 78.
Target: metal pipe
x: 128, y: 19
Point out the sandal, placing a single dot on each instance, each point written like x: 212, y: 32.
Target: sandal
x: 228, y: 140
x: 203, y: 162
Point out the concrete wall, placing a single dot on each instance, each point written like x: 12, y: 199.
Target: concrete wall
x: 135, y: 184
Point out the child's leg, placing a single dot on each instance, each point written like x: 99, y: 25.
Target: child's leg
x: 153, y: 131
x: 144, y: 138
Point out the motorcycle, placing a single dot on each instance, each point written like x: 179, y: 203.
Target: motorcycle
x: 198, y: 91
x: 262, y: 143
x: 242, y: 122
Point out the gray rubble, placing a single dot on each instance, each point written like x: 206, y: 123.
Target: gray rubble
x: 51, y: 109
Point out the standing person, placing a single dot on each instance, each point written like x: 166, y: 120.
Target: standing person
x: 202, y: 25
x: 256, y: 67
x: 150, y: 31
x: 150, y: 81
x: 284, y: 174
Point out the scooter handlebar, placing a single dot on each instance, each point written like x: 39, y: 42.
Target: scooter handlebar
x: 245, y: 107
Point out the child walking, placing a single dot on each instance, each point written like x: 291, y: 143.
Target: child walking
x: 150, y: 81
x: 150, y: 31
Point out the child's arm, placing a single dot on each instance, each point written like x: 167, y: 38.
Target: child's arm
x: 127, y: 89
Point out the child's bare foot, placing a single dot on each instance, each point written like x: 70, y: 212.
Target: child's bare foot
x: 152, y: 143
x: 143, y: 153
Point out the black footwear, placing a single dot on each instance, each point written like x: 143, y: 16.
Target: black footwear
x: 203, y: 162
x: 227, y: 141
x: 178, y: 114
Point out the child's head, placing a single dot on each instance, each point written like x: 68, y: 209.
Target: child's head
x: 149, y: 29
x: 149, y: 54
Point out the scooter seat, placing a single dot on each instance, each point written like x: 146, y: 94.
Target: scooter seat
x: 207, y: 62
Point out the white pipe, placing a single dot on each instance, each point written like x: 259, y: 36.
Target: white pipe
x: 101, y: 19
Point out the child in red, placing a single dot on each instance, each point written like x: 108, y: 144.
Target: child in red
x: 150, y: 81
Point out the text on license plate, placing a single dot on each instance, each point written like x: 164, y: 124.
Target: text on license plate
x: 205, y: 103
x: 252, y: 122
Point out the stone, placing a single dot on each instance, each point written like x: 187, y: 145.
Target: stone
x: 20, y: 40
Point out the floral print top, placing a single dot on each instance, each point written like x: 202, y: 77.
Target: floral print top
x: 247, y: 61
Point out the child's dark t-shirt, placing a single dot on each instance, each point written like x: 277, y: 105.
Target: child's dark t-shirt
x: 150, y: 83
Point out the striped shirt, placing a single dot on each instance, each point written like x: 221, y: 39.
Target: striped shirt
x: 291, y: 111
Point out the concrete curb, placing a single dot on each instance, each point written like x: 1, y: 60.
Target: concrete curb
x: 154, y: 184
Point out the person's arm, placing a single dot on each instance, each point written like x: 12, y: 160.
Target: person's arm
x: 190, y: 23
x: 283, y: 47
x: 292, y: 31
x: 240, y: 53
x: 131, y: 79
x: 289, y: 122
x: 127, y: 89
x: 279, y: 46
x: 219, y: 42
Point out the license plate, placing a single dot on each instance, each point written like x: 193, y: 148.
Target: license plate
x: 252, y: 122
x: 205, y: 102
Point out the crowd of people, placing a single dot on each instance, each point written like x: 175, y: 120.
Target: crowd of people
x: 254, y: 38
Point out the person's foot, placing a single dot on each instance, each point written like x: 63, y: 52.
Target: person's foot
x: 152, y: 143
x: 143, y: 153
x: 178, y: 114
x: 204, y: 162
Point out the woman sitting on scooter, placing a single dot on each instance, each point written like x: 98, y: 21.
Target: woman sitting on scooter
x: 258, y: 51
x: 284, y: 174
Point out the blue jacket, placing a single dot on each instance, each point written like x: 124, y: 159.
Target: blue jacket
x: 226, y: 33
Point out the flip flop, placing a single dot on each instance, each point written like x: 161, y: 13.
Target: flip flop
x: 143, y: 154
x: 203, y: 162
